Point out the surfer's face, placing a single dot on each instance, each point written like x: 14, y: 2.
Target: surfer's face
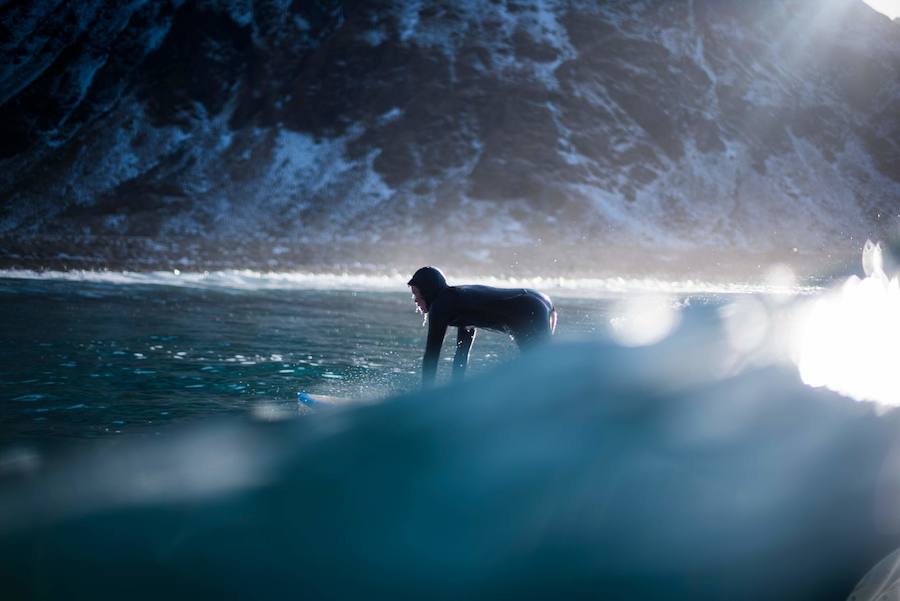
x: 420, y: 302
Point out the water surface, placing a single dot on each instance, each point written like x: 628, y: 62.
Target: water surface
x: 85, y: 359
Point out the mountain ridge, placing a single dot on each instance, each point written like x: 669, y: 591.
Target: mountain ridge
x: 665, y: 127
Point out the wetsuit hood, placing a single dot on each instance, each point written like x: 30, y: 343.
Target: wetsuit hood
x: 430, y: 281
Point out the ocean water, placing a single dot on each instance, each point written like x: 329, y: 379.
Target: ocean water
x: 152, y: 448
x: 85, y: 359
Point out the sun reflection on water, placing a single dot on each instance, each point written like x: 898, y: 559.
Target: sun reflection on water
x: 848, y: 340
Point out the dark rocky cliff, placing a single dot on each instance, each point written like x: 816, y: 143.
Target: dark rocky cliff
x: 286, y: 134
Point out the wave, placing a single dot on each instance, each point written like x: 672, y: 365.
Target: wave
x: 580, y: 471
x: 246, y: 279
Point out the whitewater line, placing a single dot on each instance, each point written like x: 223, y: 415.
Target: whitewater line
x: 246, y: 279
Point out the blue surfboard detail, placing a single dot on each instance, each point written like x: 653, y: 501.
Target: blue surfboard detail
x: 305, y: 399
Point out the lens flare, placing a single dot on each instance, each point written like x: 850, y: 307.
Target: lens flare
x: 643, y: 320
x: 849, y: 339
x: 781, y: 283
x: 746, y: 324
x: 889, y: 8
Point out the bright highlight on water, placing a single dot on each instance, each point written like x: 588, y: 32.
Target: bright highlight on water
x: 848, y: 340
x: 643, y: 320
x: 576, y: 287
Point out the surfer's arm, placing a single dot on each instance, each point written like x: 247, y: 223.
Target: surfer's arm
x: 464, y: 338
x: 436, y: 331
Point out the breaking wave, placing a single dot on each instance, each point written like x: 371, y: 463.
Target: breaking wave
x: 245, y: 279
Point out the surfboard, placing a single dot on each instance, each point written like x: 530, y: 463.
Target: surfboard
x: 316, y: 401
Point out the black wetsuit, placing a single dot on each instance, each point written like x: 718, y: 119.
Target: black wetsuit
x: 528, y: 316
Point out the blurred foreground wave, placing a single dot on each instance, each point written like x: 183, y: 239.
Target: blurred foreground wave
x: 583, y: 470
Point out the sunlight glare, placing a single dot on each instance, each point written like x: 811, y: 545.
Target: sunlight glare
x: 891, y: 8
x: 746, y: 323
x: 849, y: 339
x: 643, y: 320
x: 781, y: 283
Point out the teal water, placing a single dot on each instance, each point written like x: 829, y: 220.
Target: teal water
x: 582, y: 470
x: 80, y: 360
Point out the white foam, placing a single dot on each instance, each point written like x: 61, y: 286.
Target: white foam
x: 246, y: 279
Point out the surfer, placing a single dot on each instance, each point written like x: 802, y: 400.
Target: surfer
x: 528, y: 316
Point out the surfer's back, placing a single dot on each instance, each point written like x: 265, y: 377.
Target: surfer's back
x: 504, y: 309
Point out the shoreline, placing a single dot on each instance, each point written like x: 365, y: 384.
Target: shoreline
x: 67, y: 253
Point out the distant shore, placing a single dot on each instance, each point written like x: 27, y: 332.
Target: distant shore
x: 586, y: 260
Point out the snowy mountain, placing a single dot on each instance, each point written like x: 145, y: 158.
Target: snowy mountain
x: 284, y: 133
